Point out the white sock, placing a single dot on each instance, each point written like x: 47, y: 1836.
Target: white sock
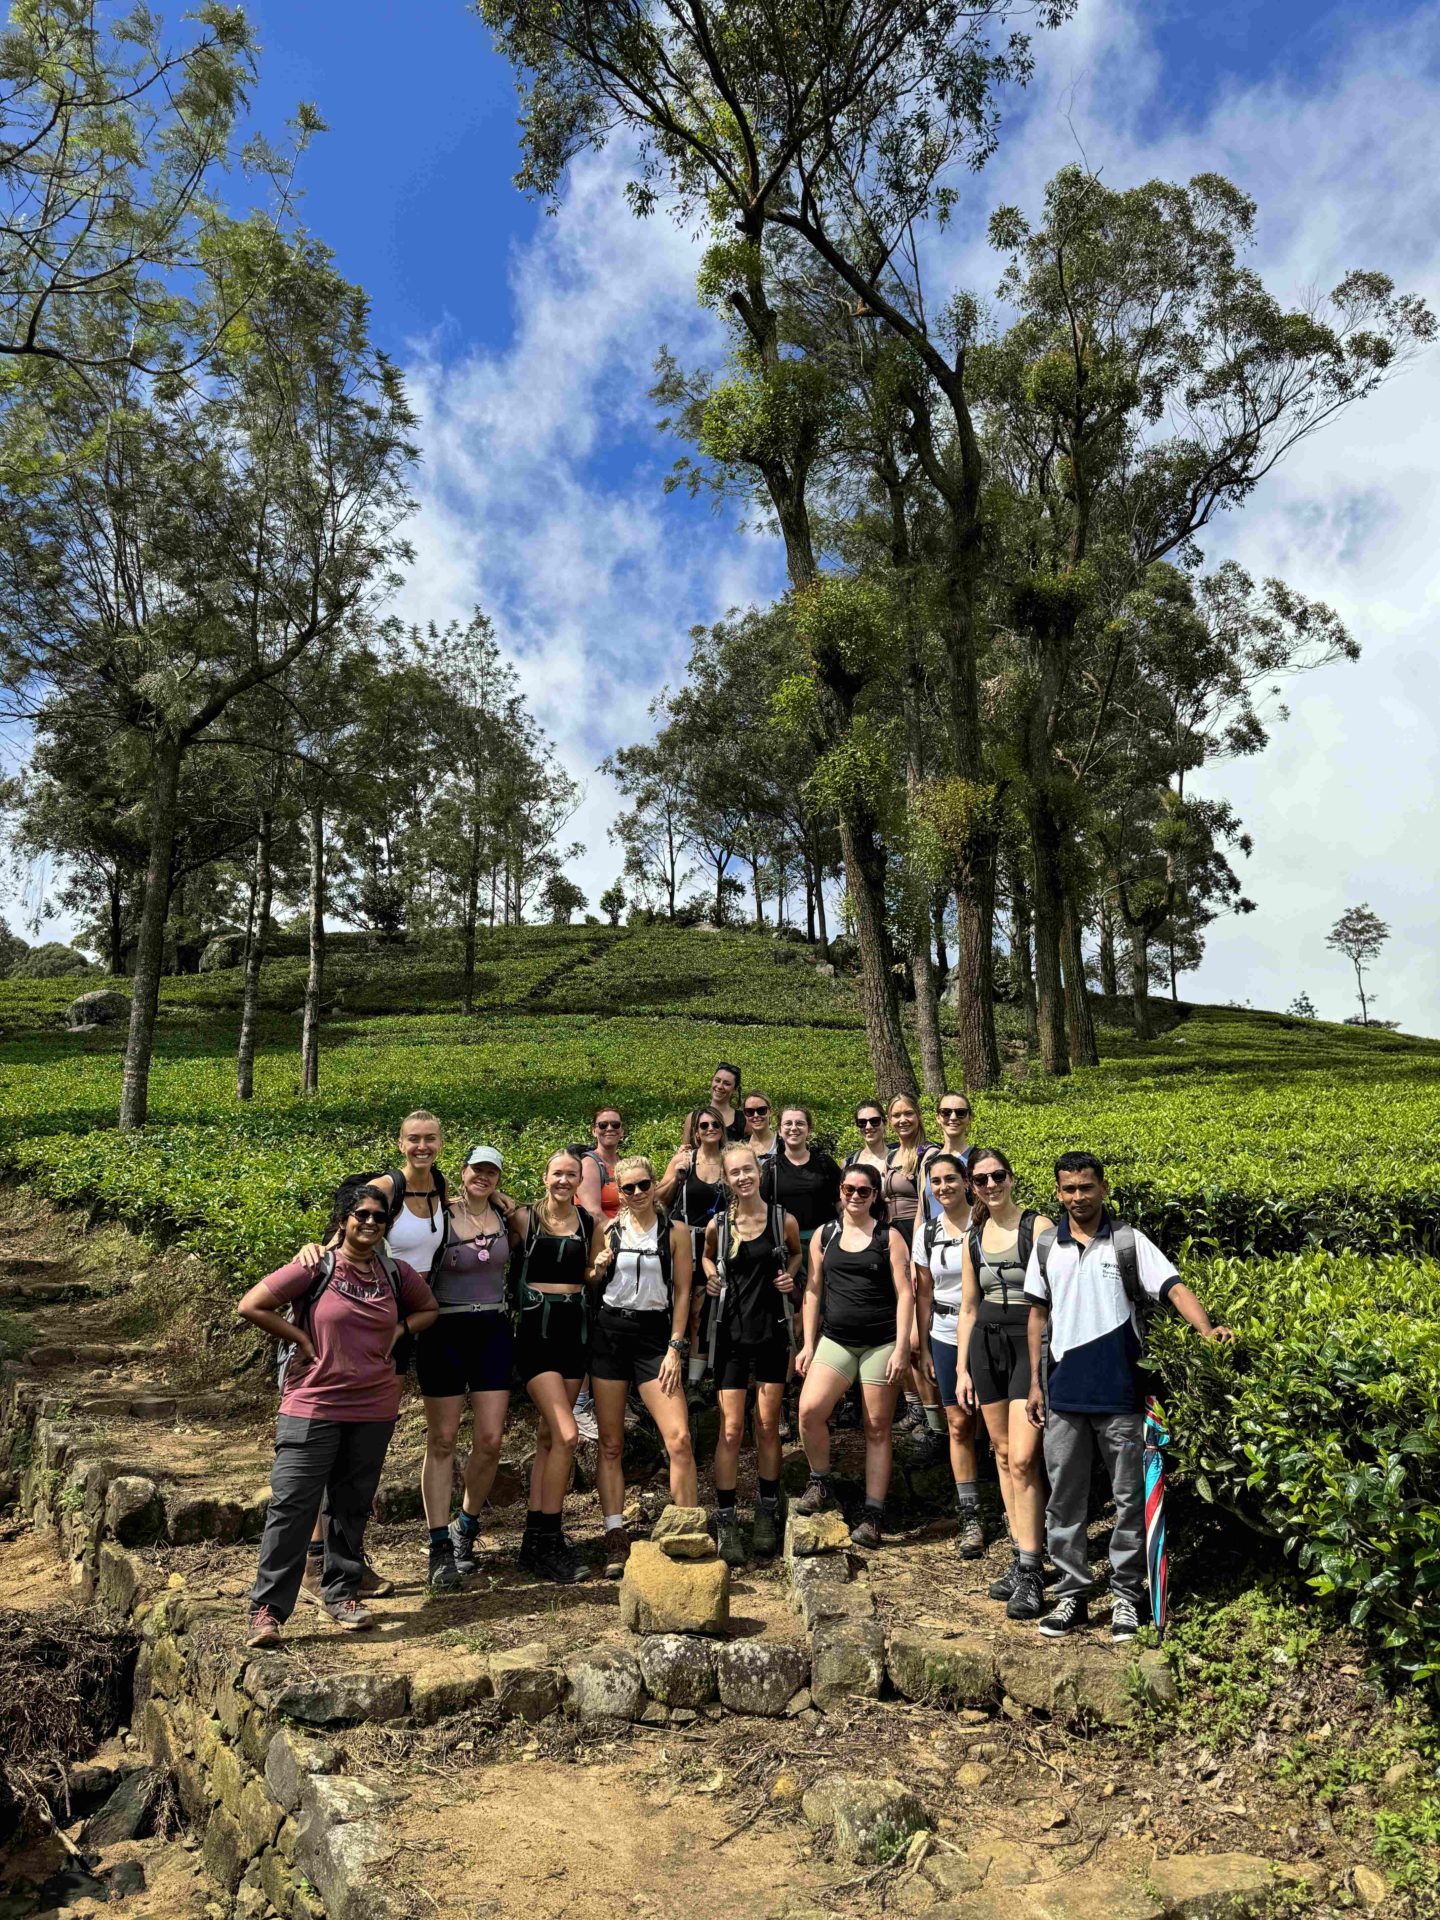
x: 614, y: 1520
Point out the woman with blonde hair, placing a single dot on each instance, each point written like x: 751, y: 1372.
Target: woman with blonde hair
x: 752, y: 1257
x: 642, y: 1262
x: 904, y: 1188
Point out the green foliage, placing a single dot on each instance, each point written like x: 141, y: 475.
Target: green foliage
x: 53, y: 961
x: 1231, y: 1658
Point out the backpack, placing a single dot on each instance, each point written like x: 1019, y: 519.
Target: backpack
x: 518, y: 1272
x: 662, y: 1247
x: 1127, y: 1259
x: 299, y: 1311
x: 1022, y: 1252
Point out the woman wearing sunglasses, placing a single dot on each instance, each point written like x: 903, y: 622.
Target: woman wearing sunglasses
x: 995, y: 1360
x: 339, y: 1401
x: 598, y: 1194
x: 956, y: 1116
x: 642, y: 1263
x: 691, y: 1189
x: 937, y: 1254
x: 759, y: 1131
x: 859, y: 1324
x: 873, y: 1151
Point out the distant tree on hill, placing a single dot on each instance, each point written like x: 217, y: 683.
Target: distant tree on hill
x: 560, y: 898
x: 1302, y: 1007
x: 1359, y: 934
x: 612, y: 902
x: 12, y: 949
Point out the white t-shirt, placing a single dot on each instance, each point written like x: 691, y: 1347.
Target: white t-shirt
x: 944, y: 1260
x: 1094, y: 1333
x: 636, y: 1281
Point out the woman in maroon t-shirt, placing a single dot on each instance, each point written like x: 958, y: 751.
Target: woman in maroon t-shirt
x: 338, y: 1407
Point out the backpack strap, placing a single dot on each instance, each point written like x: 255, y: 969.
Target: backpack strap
x: 972, y: 1240
x: 302, y: 1308
x: 1028, y: 1217
x: 1044, y: 1246
x: 1127, y: 1258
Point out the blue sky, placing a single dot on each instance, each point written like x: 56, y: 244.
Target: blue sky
x: 529, y: 342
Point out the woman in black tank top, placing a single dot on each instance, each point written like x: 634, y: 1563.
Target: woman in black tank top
x: 691, y: 1186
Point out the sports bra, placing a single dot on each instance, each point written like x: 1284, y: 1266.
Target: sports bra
x: 558, y: 1259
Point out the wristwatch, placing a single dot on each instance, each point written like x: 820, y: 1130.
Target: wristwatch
x: 680, y: 1346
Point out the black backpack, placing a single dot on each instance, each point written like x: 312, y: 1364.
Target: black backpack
x: 300, y: 1310
x: 1022, y: 1251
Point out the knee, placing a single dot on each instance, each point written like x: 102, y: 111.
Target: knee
x: 732, y: 1430
x: 767, y: 1427
x: 564, y: 1439
x: 812, y: 1417
x: 680, y: 1448
x: 877, y: 1429
x: 1004, y: 1462
x: 441, y: 1446
x: 486, y: 1443
x: 1025, y: 1468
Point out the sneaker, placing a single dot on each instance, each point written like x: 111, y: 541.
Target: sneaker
x: 557, y: 1560
x: 442, y: 1575
x: 1070, y: 1613
x: 816, y: 1498
x: 1124, y: 1619
x: 312, y: 1582
x: 929, y: 1449
x: 765, y: 1532
x: 1027, y: 1602
x: 970, y: 1541
x: 374, y: 1585
x: 617, y: 1552
x: 466, y: 1547
x: 264, y: 1629
x: 1002, y: 1588
x: 585, y: 1422
x: 866, y: 1532
x: 727, y: 1537
x: 349, y: 1615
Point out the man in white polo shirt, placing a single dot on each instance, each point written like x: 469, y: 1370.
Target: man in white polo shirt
x: 1093, y: 1396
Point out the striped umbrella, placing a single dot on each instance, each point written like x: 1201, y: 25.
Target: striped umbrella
x: 1156, y: 1438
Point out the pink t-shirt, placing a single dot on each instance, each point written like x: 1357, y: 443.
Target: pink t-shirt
x: 350, y: 1326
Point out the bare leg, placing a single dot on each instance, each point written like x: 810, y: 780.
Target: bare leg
x: 768, y: 1401
x: 555, y: 1445
x: 822, y: 1392
x: 437, y: 1474
x: 879, y: 1448
x: 671, y: 1416
x: 610, y: 1396
x: 1027, y: 1481
x: 730, y: 1438
x: 488, y: 1411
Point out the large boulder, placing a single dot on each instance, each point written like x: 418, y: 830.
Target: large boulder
x: 847, y: 1660
x: 957, y: 1672
x: 103, y: 1008
x: 661, y: 1595
x: 224, y: 951
x: 604, y: 1686
x: 678, y: 1671
x: 756, y: 1678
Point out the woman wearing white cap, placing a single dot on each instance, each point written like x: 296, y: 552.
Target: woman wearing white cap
x: 467, y: 1355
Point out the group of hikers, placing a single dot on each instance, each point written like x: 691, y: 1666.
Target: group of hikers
x: 907, y: 1284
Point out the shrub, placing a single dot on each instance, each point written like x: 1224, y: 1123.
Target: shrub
x: 53, y: 961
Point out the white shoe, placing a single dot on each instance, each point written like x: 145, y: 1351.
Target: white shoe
x: 585, y: 1423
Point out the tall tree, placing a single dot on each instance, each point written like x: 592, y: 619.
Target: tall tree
x: 1359, y: 934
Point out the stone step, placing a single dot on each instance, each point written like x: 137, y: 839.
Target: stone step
x: 24, y: 1296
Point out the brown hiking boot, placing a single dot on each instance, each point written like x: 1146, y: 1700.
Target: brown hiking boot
x: 617, y: 1552
x: 264, y: 1629
x: 349, y: 1615
x: 374, y: 1585
x: 311, y: 1586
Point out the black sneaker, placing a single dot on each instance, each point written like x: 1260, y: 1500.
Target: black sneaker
x: 866, y: 1533
x: 557, y: 1560
x: 970, y: 1541
x: 1070, y: 1613
x: 1002, y: 1588
x: 816, y: 1498
x: 443, y: 1576
x: 929, y: 1449
x: 467, y: 1548
x: 1027, y: 1601
x: 1124, y: 1619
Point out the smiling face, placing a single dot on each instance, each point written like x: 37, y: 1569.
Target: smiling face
x: 1082, y: 1195
x: 794, y: 1126
x: 955, y: 1115
x: 947, y: 1185
x: 757, y: 1113
x: 871, y: 1122
x: 420, y: 1141
x: 479, y: 1183
x: 607, y: 1129
x: 905, y: 1118
x: 722, y: 1087
x: 365, y: 1225
x: 742, y: 1174
x: 562, y: 1176
x: 709, y: 1129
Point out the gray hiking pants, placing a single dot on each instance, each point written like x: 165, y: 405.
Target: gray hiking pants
x: 1071, y: 1440
x: 339, y: 1460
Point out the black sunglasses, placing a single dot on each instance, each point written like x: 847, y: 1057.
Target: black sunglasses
x: 754, y: 1113
x: 954, y: 1113
x: 988, y: 1179
x: 609, y: 1126
x: 872, y: 1120
x: 857, y: 1193
x: 708, y: 1126
x: 636, y: 1186
x: 369, y: 1217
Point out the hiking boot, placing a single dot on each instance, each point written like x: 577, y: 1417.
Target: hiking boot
x: 846, y: 1417
x: 765, y: 1532
x: 1027, y: 1602
x: 1071, y: 1612
x: 930, y: 1449
x: 374, y: 1585
x: 970, y: 1541
x: 727, y: 1537
x: 816, y: 1498
x: 908, y: 1416
x: 528, y: 1552
x: 1002, y: 1588
x: 349, y: 1615
x: 312, y: 1584
x: 866, y: 1532
x: 617, y: 1552
x: 787, y: 1424
x: 264, y: 1629
x: 442, y: 1575
x: 557, y: 1560
x: 466, y: 1547
x: 1124, y: 1619
x: 585, y: 1422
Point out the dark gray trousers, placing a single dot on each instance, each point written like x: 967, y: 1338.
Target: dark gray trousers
x: 1071, y: 1441
x: 338, y: 1461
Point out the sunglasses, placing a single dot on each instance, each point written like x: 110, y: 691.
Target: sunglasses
x: 871, y: 1120
x: 954, y: 1113
x: 856, y: 1193
x: 755, y: 1113
x: 636, y: 1186
x: 708, y: 1126
x: 988, y: 1179
x: 609, y: 1126
x: 369, y: 1218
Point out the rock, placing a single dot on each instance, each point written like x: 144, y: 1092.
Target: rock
x: 799, y: 1702
x: 1027, y: 1673
x: 341, y: 1863
x: 125, y: 1815
x: 661, y: 1595
x: 152, y: 1407
x: 258, y: 1817
x: 756, y: 1678
x: 952, y: 1874
x: 134, y: 1511
x: 338, y: 1699
x: 127, y: 1878
x: 334, y: 1800
x: 870, y: 1819
x: 1156, y: 1680
x: 1371, y: 1885
x: 450, y: 1686
x: 1091, y: 1896
x: 1218, y: 1886
x: 223, y: 1850
x: 683, y: 1533
x: 945, y: 1671
x: 973, y: 1773
x: 683, y: 1716
x: 224, y: 950
x: 526, y: 1686
x: 604, y: 1686
x: 677, y: 1671
x: 1402, y: 1771
x: 654, y: 1715
x: 785, y: 1789
x: 103, y: 1008
x: 250, y: 1902
x: 823, y: 1589
x: 190, y: 1518
x: 847, y: 1658
x: 807, y: 1534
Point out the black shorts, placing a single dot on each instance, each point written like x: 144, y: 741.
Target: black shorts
x: 562, y: 1346
x: 1000, y: 1358
x: 465, y: 1353
x: 629, y: 1346
x: 738, y: 1362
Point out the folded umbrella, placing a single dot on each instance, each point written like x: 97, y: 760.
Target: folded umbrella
x: 1156, y: 1438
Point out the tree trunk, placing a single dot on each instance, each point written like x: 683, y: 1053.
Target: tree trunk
x: 1140, y: 979
x: 758, y: 891
x: 1109, y: 973
x: 1360, y: 988
x: 879, y: 1002
x: 1021, y: 963
x: 1174, y: 977
x: 145, y: 996
x: 1083, y: 1050
x: 820, y: 925
x: 942, y: 959
x: 472, y: 915
x: 262, y: 892
x: 117, y: 930
x: 1048, y: 911
x: 315, y: 980
x: 975, y: 972
x: 809, y: 897
x: 927, y: 1010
